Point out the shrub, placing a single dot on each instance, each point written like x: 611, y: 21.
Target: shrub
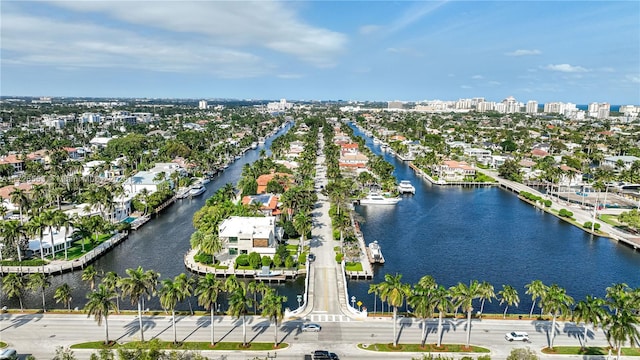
x: 565, y: 213
x: 277, y: 260
x: 588, y: 224
x: 339, y: 257
x: 255, y: 260
x: 289, y: 230
x: 547, y: 203
x: 203, y: 258
x: 484, y: 357
x: 522, y: 354
x: 266, y: 261
x: 242, y: 260
x: 288, y: 262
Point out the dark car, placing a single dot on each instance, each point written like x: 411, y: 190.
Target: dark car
x: 333, y: 356
x: 321, y: 355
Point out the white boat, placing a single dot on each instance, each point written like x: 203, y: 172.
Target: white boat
x: 378, y: 199
x: 384, y: 147
x: 183, y: 193
x: 376, y: 141
x: 375, y: 254
x: 197, y: 189
x: 254, y: 145
x: 405, y: 187
x: 205, y: 180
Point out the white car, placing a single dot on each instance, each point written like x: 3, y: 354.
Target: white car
x: 311, y: 327
x: 517, y: 336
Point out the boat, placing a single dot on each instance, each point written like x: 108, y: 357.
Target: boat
x: 405, y: 187
x: 378, y: 199
x: 182, y: 193
x: 197, y: 189
x: 384, y: 147
x: 375, y: 254
x: 254, y: 145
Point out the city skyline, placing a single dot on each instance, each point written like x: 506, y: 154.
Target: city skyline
x: 579, y: 52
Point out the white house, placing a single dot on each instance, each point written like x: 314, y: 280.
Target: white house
x: 451, y: 170
x: 612, y: 161
x: 150, y: 179
x: 243, y: 235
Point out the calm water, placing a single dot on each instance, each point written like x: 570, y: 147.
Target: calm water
x: 453, y: 234
x: 459, y: 234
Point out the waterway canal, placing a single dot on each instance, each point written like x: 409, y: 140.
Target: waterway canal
x: 458, y: 234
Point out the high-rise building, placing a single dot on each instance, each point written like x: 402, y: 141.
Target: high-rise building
x: 532, y: 107
x: 202, y: 105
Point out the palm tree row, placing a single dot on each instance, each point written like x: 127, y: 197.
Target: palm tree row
x: 617, y: 313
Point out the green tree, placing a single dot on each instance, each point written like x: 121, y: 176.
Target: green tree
x: 99, y: 304
x: 39, y: 282
x: 139, y: 284
x: 464, y: 296
x: 393, y: 291
x: 239, y: 304
x: 422, y: 305
x: 185, y: 284
x: 170, y: 294
x: 64, y: 354
x: 271, y: 306
x: 522, y: 354
x: 537, y: 290
x: 509, y: 296
x: 63, y: 295
x: 556, y: 302
x: 13, y: 285
x: 487, y: 292
x: 110, y: 280
x: 207, y: 291
x: 590, y: 311
x: 441, y: 299
x: 90, y: 275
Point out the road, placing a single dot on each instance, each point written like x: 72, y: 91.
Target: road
x: 39, y: 334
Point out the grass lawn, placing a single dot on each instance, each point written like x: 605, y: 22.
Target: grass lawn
x: 353, y: 266
x: 293, y: 248
x: 75, y: 250
x: 427, y: 348
x: 3, y: 344
x: 191, y: 345
x: 590, y: 350
x: 609, y: 219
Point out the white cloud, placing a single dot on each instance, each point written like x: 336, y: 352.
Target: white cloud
x: 465, y: 87
x: 494, y: 83
x: 369, y: 29
x: 290, y: 76
x: 565, y: 68
x: 633, y: 78
x: 230, y: 24
x: 30, y: 40
x: 477, y: 77
x: 524, y: 52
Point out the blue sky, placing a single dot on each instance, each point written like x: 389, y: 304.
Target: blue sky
x: 571, y: 51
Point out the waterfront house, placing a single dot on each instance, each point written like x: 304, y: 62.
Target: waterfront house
x: 283, y: 178
x: 243, y: 235
x: 624, y: 161
x: 267, y: 203
x: 451, y: 170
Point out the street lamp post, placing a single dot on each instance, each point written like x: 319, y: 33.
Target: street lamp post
x: 299, y: 301
x: 353, y: 300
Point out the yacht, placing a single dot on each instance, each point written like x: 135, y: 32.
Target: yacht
x: 197, y: 189
x: 378, y: 199
x: 254, y: 145
x: 405, y: 187
x: 384, y: 147
x: 375, y: 254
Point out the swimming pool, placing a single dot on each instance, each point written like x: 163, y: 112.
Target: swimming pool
x: 129, y: 220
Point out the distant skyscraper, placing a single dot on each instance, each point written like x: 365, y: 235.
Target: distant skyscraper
x: 532, y: 107
x: 202, y: 105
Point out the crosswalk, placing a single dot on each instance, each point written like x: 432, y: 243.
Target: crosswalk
x: 327, y: 318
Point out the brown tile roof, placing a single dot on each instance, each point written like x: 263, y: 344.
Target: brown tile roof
x: 5, y: 191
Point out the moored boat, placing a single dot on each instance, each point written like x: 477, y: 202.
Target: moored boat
x: 197, y: 189
x: 378, y: 199
x: 375, y: 253
x: 405, y: 187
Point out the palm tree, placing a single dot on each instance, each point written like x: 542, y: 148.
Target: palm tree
x: 65, y: 222
x: 185, y: 285
x: 421, y: 303
x: 556, y: 302
x: 508, y: 295
x: 110, y: 281
x: 170, y: 294
x: 239, y: 304
x: 13, y: 285
x: 39, y: 282
x: 35, y: 227
x: 620, y: 328
x: 271, y: 305
x: 13, y: 232
x: 393, y: 291
x: 21, y: 199
x: 90, y: 275
x: 207, y: 291
x: 464, y: 296
x: 537, y: 290
x: 441, y: 299
x: 487, y: 292
x: 136, y: 286
x: 302, y: 224
x: 589, y: 310
x: 99, y: 303
x: 63, y: 295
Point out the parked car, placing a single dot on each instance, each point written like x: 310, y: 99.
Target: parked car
x: 321, y: 355
x: 517, y: 336
x: 8, y: 354
x: 311, y: 327
x: 311, y: 257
